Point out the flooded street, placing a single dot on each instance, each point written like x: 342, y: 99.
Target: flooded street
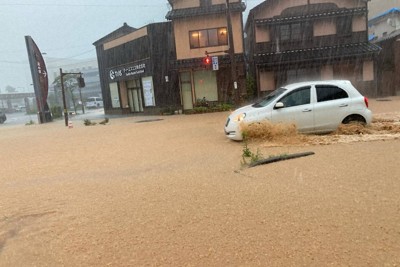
x: 21, y: 118
x: 171, y: 191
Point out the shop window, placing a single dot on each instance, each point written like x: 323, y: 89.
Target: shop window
x: 115, y: 101
x: 208, y: 37
x: 148, y: 91
x: 205, y: 83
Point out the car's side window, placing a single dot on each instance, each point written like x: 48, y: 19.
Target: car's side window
x: 330, y: 92
x: 298, y: 97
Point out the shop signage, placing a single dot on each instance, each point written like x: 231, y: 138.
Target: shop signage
x: 215, y: 63
x: 39, y: 78
x: 124, y: 72
x: 148, y: 91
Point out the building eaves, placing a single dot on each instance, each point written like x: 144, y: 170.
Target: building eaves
x: 201, y: 11
x: 124, y: 30
x: 198, y: 62
x: 328, y: 14
x: 317, y: 53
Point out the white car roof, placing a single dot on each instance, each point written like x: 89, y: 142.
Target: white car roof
x: 329, y: 82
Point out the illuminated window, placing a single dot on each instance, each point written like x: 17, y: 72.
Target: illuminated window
x: 208, y: 37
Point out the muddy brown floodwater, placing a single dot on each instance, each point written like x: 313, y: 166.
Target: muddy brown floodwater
x: 171, y: 191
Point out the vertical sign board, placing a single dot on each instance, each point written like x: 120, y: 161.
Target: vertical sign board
x: 148, y: 91
x: 39, y: 78
x: 215, y: 63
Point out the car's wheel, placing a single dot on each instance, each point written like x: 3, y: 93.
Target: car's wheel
x: 354, y: 119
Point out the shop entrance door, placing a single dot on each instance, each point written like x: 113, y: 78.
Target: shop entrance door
x: 135, y: 96
x: 205, y: 84
x: 186, y: 87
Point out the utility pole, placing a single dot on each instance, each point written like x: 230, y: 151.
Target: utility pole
x: 63, y: 97
x: 63, y: 92
x: 234, y: 85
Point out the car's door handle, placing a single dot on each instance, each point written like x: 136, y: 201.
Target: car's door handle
x: 307, y: 110
x: 343, y: 105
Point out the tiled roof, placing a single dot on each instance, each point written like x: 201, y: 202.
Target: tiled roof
x: 326, y: 14
x: 200, y: 11
x: 317, y: 53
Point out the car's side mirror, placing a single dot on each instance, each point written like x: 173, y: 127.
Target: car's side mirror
x: 279, y: 105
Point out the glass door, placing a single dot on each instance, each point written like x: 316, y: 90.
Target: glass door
x: 186, y: 87
x: 135, y: 96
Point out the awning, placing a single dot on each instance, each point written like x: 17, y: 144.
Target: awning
x: 321, y: 15
x: 317, y: 54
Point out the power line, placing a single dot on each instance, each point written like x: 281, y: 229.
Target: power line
x: 80, y: 5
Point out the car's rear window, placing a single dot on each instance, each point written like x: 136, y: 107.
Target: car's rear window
x: 330, y: 92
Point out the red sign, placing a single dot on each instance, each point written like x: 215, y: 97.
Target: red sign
x: 39, y: 74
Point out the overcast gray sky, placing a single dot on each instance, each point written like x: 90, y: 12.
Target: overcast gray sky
x: 66, y: 29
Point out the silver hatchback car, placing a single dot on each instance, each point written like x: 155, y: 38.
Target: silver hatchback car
x: 315, y: 107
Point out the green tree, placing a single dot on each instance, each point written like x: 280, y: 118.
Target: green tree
x: 70, y: 86
x: 10, y: 89
x: 251, y: 87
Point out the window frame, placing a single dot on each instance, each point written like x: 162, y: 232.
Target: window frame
x: 331, y: 97
x: 295, y: 32
x: 308, y: 87
x: 200, y: 43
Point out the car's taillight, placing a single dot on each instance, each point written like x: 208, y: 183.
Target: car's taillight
x: 366, y: 101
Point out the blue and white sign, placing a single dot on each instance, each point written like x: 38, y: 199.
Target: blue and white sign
x: 215, y: 63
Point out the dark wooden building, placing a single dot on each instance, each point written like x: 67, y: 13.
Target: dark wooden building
x: 289, y: 41
x: 134, y: 70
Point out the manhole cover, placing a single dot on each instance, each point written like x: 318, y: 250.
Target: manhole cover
x: 149, y: 120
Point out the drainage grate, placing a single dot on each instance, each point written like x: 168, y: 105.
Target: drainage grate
x: 150, y: 120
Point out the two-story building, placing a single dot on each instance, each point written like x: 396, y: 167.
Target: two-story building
x: 385, y: 25
x: 385, y: 32
x: 134, y: 70
x: 208, y: 27
x: 290, y: 41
